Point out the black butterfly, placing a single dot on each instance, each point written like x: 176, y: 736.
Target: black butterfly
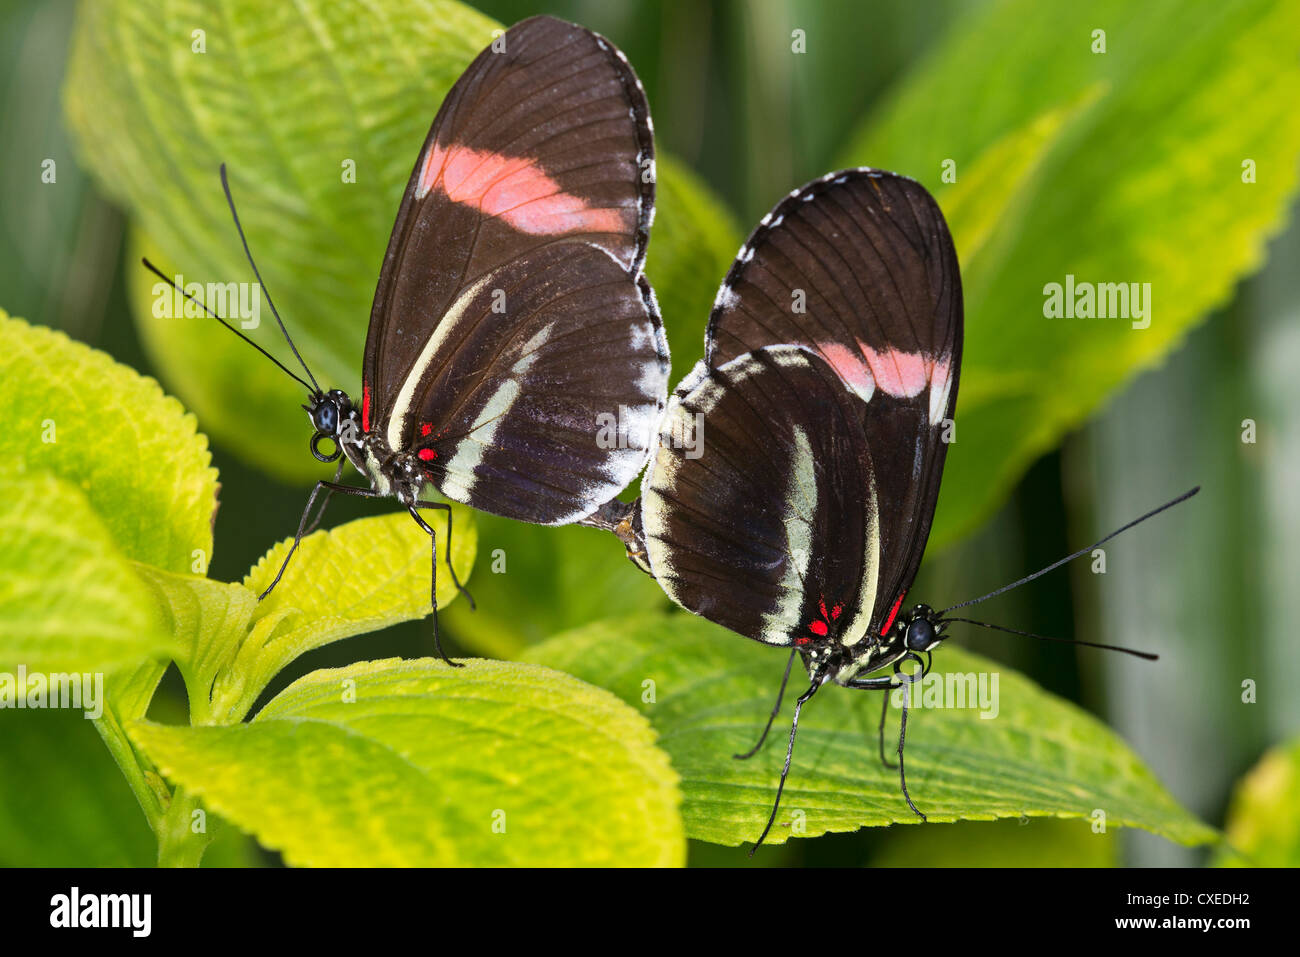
x: 799, y: 514
x: 511, y: 314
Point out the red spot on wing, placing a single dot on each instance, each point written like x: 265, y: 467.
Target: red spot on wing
x: 365, y: 408
x: 514, y: 188
x: 426, y: 428
x: 818, y: 628
x: 802, y: 641
x: 893, y: 612
x: 835, y: 612
x: 427, y: 455
x: 821, y: 603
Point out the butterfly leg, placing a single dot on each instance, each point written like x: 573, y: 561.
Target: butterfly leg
x: 880, y: 731
x: 443, y: 506
x: 776, y: 709
x: 885, y: 684
x: 338, y: 474
x: 907, y: 681
x: 789, y: 754
x: 329, y: 487
x: 433, y: 574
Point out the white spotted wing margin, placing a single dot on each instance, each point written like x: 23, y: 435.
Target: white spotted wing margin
x: 767, y: 525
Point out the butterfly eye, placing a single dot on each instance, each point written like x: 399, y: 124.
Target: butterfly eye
x: 921, y: 635
x: 326, y: 417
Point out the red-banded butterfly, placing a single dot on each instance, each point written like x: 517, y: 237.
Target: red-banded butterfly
x: 511, y: 311
x: 799, y: 516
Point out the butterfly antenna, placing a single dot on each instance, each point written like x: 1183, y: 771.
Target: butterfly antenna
x: 202, y: 305
x: 1071, y: 557
x: 230, y: 201
x: 1148, y: 656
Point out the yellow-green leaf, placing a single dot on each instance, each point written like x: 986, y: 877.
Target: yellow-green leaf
x: 70, y: 602
x: 708, y: 693
x: 108, y: 430
x: 354, y: 579
x: 1263, y: 826
x: 415, y: 763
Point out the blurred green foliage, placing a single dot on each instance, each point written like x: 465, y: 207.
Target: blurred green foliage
x: 1263, y: 826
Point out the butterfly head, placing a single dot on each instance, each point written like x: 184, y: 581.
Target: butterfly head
x: 333, y: 418
x: 923, y: 629
x: 913, y: 632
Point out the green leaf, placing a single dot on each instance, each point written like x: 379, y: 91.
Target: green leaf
x: 354, y: 579
x: 69, y: 600
x: 1144, y: 186
x: 1028, y: 842
x: 286, y: 96
x: 692, y: 245
x: 989, y: 197
x: 424, y: 762
x: 712, y: 691
x: 1263, y: 827
x: 105, y: 428
x: 209, y: 621
x: 533, y: 582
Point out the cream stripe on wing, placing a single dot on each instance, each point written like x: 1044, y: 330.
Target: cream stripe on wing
x: 855, y: 629
x: 458, y: 483
x: 782, y: 620
x: 451, y: 319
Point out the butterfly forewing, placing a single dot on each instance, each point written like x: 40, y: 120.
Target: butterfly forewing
x: 768, y: 525
x: 860, y: 266
x: 511, y: 320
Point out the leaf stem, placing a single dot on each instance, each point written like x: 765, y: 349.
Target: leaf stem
x: 178, y: 843
x: 151, y: 801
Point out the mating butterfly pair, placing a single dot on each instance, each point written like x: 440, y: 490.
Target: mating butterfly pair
x: 511, y: 314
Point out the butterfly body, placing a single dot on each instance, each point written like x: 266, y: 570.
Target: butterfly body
x: 335, y: 417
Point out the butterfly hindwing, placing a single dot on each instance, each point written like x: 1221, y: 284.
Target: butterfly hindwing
x: 520, y: 239
x: 520, y: 435
x: 859, y: 266
x: 758, y: 509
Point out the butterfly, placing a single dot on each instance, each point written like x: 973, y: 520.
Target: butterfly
x: 512, y: 313
x: 799, y: 513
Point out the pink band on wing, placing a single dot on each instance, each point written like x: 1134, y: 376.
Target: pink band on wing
x: 848, y: 365
x: 514, y: 189
x: 900, y: 374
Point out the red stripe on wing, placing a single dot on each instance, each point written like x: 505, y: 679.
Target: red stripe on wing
x: 514, y: 189
x: 893, y: 613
